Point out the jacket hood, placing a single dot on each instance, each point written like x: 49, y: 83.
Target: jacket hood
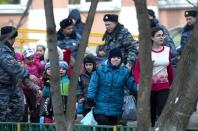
x: 75, y: 14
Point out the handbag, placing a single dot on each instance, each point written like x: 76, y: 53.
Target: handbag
x: 89, y: 119
x: 129, y: 108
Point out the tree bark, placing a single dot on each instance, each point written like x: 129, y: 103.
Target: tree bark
x: 70, y: 115
x: 144, y: 123
x: 183, y: 97
x: 53, y: 57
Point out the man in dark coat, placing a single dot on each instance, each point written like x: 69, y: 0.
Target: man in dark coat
x: 117, y: 36
x: 190, y: 16
x: 11, y: 74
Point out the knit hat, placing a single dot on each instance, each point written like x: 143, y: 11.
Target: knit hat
x: 110, y: 17
x: 28, y: 52
x: 192, y: 13
x: 115, y: 52
x: 66, y: 22
x: 7, y: 30
x: 63, y: 64
x: 151, y: 13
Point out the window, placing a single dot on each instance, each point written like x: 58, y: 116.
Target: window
x: 12, y: 6
x: 10, y: 2
x: 176, y: 3
x: 103, y: 5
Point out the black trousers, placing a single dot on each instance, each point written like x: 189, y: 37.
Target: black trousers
x: 106, y: 120
x: 158, y: 101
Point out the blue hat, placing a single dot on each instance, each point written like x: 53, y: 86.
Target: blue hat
x: 63, y: 64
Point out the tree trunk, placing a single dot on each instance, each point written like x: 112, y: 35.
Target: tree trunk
x: 144, y: 123
x: 183, y: 97
x: 71, y: 108
x: 53, y: 57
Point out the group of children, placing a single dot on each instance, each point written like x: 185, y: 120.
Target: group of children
x: 37, y: 63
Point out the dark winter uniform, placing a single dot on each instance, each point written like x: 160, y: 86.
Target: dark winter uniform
x: 11, y: 96
x: 120, y: 38
x: 11, y: 74
x: 71, y: 41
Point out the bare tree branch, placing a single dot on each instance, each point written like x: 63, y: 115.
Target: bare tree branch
x: 21, y: 21
x: 191, y: 3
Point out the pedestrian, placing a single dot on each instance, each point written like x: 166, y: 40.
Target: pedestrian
x: 168, y: 41
x: 117, y: 36
x: 34, y: 67
x: 67, y: 38
x: 89, y: 66
x: 40, y: 50
x: 190, y: 16
x: 162, y: 76
x: 76, y: 18
x: 106, y: 89
x: 12, y: 98
x: 100, y: 54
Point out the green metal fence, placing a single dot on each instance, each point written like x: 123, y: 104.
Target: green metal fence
x: 51, y: 127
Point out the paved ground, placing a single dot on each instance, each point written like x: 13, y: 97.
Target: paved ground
x: 193, y: 123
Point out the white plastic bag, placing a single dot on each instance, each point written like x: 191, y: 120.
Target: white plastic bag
x: 89, y: 119
x: 129, y: 109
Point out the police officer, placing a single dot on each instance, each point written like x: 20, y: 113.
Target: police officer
x: 117, y: 36
x: 190, y: 16
x: 11, y: 74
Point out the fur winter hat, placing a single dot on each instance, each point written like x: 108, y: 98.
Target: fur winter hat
x: 192, y: 13
x: 66, y: 22
x: 7, y: 30
x: 110, y: 17
x: 151, y: 13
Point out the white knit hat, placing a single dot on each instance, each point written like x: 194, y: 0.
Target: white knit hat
x: 28, y: 52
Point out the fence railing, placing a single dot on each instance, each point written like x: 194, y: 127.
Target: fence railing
x: 25, y: 37
x: 6, y: 126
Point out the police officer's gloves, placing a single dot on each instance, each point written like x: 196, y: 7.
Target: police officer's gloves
x: 90, y: 102
x: 32, y: 86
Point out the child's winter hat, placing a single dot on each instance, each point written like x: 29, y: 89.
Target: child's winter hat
x: 28, y: 52
x: 115, y: 52
x: 90, y: 58
x: 63, y: 64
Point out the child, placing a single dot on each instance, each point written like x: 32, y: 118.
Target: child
x: 40, y: 50
x: 46, y: 110
x: 89, y: 66
x: 101, y: 56
x: 35, y: 68
x: 106, y: 89
x: 64, y: 82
